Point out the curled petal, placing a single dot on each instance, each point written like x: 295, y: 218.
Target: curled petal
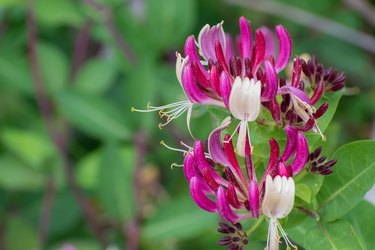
x: 223, y: 207
x: 297, y: 69
x: 215, y: 148
x: 225, y: 87
x: 189, y: 167
x: 260, y: 50
x: 271, y: 84
x: 274, y: 154
x: 274, y: 107
x: 321, y: 110
x: 245, y: 37
x: 254, y: 198
x: 301, y: 155
x: 285, y: 45
x: 199, y: 196
x: 296, y: 92
x: 291, y: 142
x: 191, y: 52
x: 232, y: 196
x: 207, y: 38
x: 202, y: 163
x: 199, y: 76
x: 215, y: 80
x: 231, y: 156
x: 317, y: 93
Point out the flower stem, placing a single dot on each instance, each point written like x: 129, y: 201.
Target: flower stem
x: 255, y: 226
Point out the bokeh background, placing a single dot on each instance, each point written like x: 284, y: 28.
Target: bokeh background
x: 78, y: 169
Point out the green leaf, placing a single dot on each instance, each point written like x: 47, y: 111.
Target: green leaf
x: 88, y: 170
x: 362, y: 218
x: 303, y: 192
x: 20, y: 235
x: 95, y: 77
x: 94, y: 116
x: 17, y: 177
x: 54, y: 13
x: 33, y: 149
x: 338, y: 235
x: 54, y: 67
x: 323, y: 122
x: 353, y: 176
x: 178, y: 219
x: 115, y: 187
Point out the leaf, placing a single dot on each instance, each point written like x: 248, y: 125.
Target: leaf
x: 17, y: 177
x: 54, y: 67
x: 94, y: 116
x: 323, y: 122
x: 353, y: 176
x: 176, y: 220
x: 115, y: 186
x: 338, y: 235
x: 362, y: 218
x: 88, y: 170
x: 96, y: 76
x: 303, y: 192
x: 54, y: 13
x: 33, y: 149
x: 20, y: 235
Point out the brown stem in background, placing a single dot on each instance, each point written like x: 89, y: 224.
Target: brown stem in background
x: 363, y: 7
x: 45, y: 216
x: 45, y: 108
x: 80, y: 49
x: 308, y: 19
x: 132, y: 229
x: 117, y: 36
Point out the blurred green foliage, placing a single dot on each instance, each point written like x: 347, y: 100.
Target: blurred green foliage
x: 91, y: 85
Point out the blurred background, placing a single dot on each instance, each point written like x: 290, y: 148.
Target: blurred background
x: 78, y: 170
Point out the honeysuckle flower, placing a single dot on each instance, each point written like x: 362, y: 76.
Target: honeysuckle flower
x: 277, y: 203
x: 236, y: 196
x: 243, y: 82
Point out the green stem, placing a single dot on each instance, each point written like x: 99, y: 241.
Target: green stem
x: 300, y: 176
x: 255, y: 226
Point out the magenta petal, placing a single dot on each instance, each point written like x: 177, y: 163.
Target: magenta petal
x: 199, y: 197
x: 297, y: 68
x: 254, y: 198
x: 189, y: 167
x: 283, y: 171
x: 245, y: 37
x: 232, y: 196
x: 192, y: 91
x: 270, y: 41
x: 301, y: 155
x: 285, y: 45
x: 275, y: 110
x: 223, y: 207
x: 291, y: 142
x: 274, y: 154
x: 215, y: 80
x: 215, y: 148
x: 225, y: 88
x: 202, y: 163
x: 300, y: 94
x: 191, y: 52
x: 260, y: 50
x: 207, y: 38
x: 272, y: 82
x: 317, y: 93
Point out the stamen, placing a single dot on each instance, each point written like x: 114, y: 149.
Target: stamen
x: 173, y: 149
x: 283, y: 233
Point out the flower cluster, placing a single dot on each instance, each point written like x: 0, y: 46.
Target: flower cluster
x: 249, y: 84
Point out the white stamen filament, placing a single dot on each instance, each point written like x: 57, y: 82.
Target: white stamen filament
x: 171, y: 111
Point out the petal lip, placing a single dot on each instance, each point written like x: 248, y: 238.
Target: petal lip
x: 224, y: 208
x: 285, y: 45
x: 207, y: 37
x: 199, y: 197
x: 301, y: 154
x: 246, y: 43
x: 215, y: 148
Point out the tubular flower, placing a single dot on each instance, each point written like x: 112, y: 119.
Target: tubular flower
x: 241, y: 83
x: 236, y: 196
